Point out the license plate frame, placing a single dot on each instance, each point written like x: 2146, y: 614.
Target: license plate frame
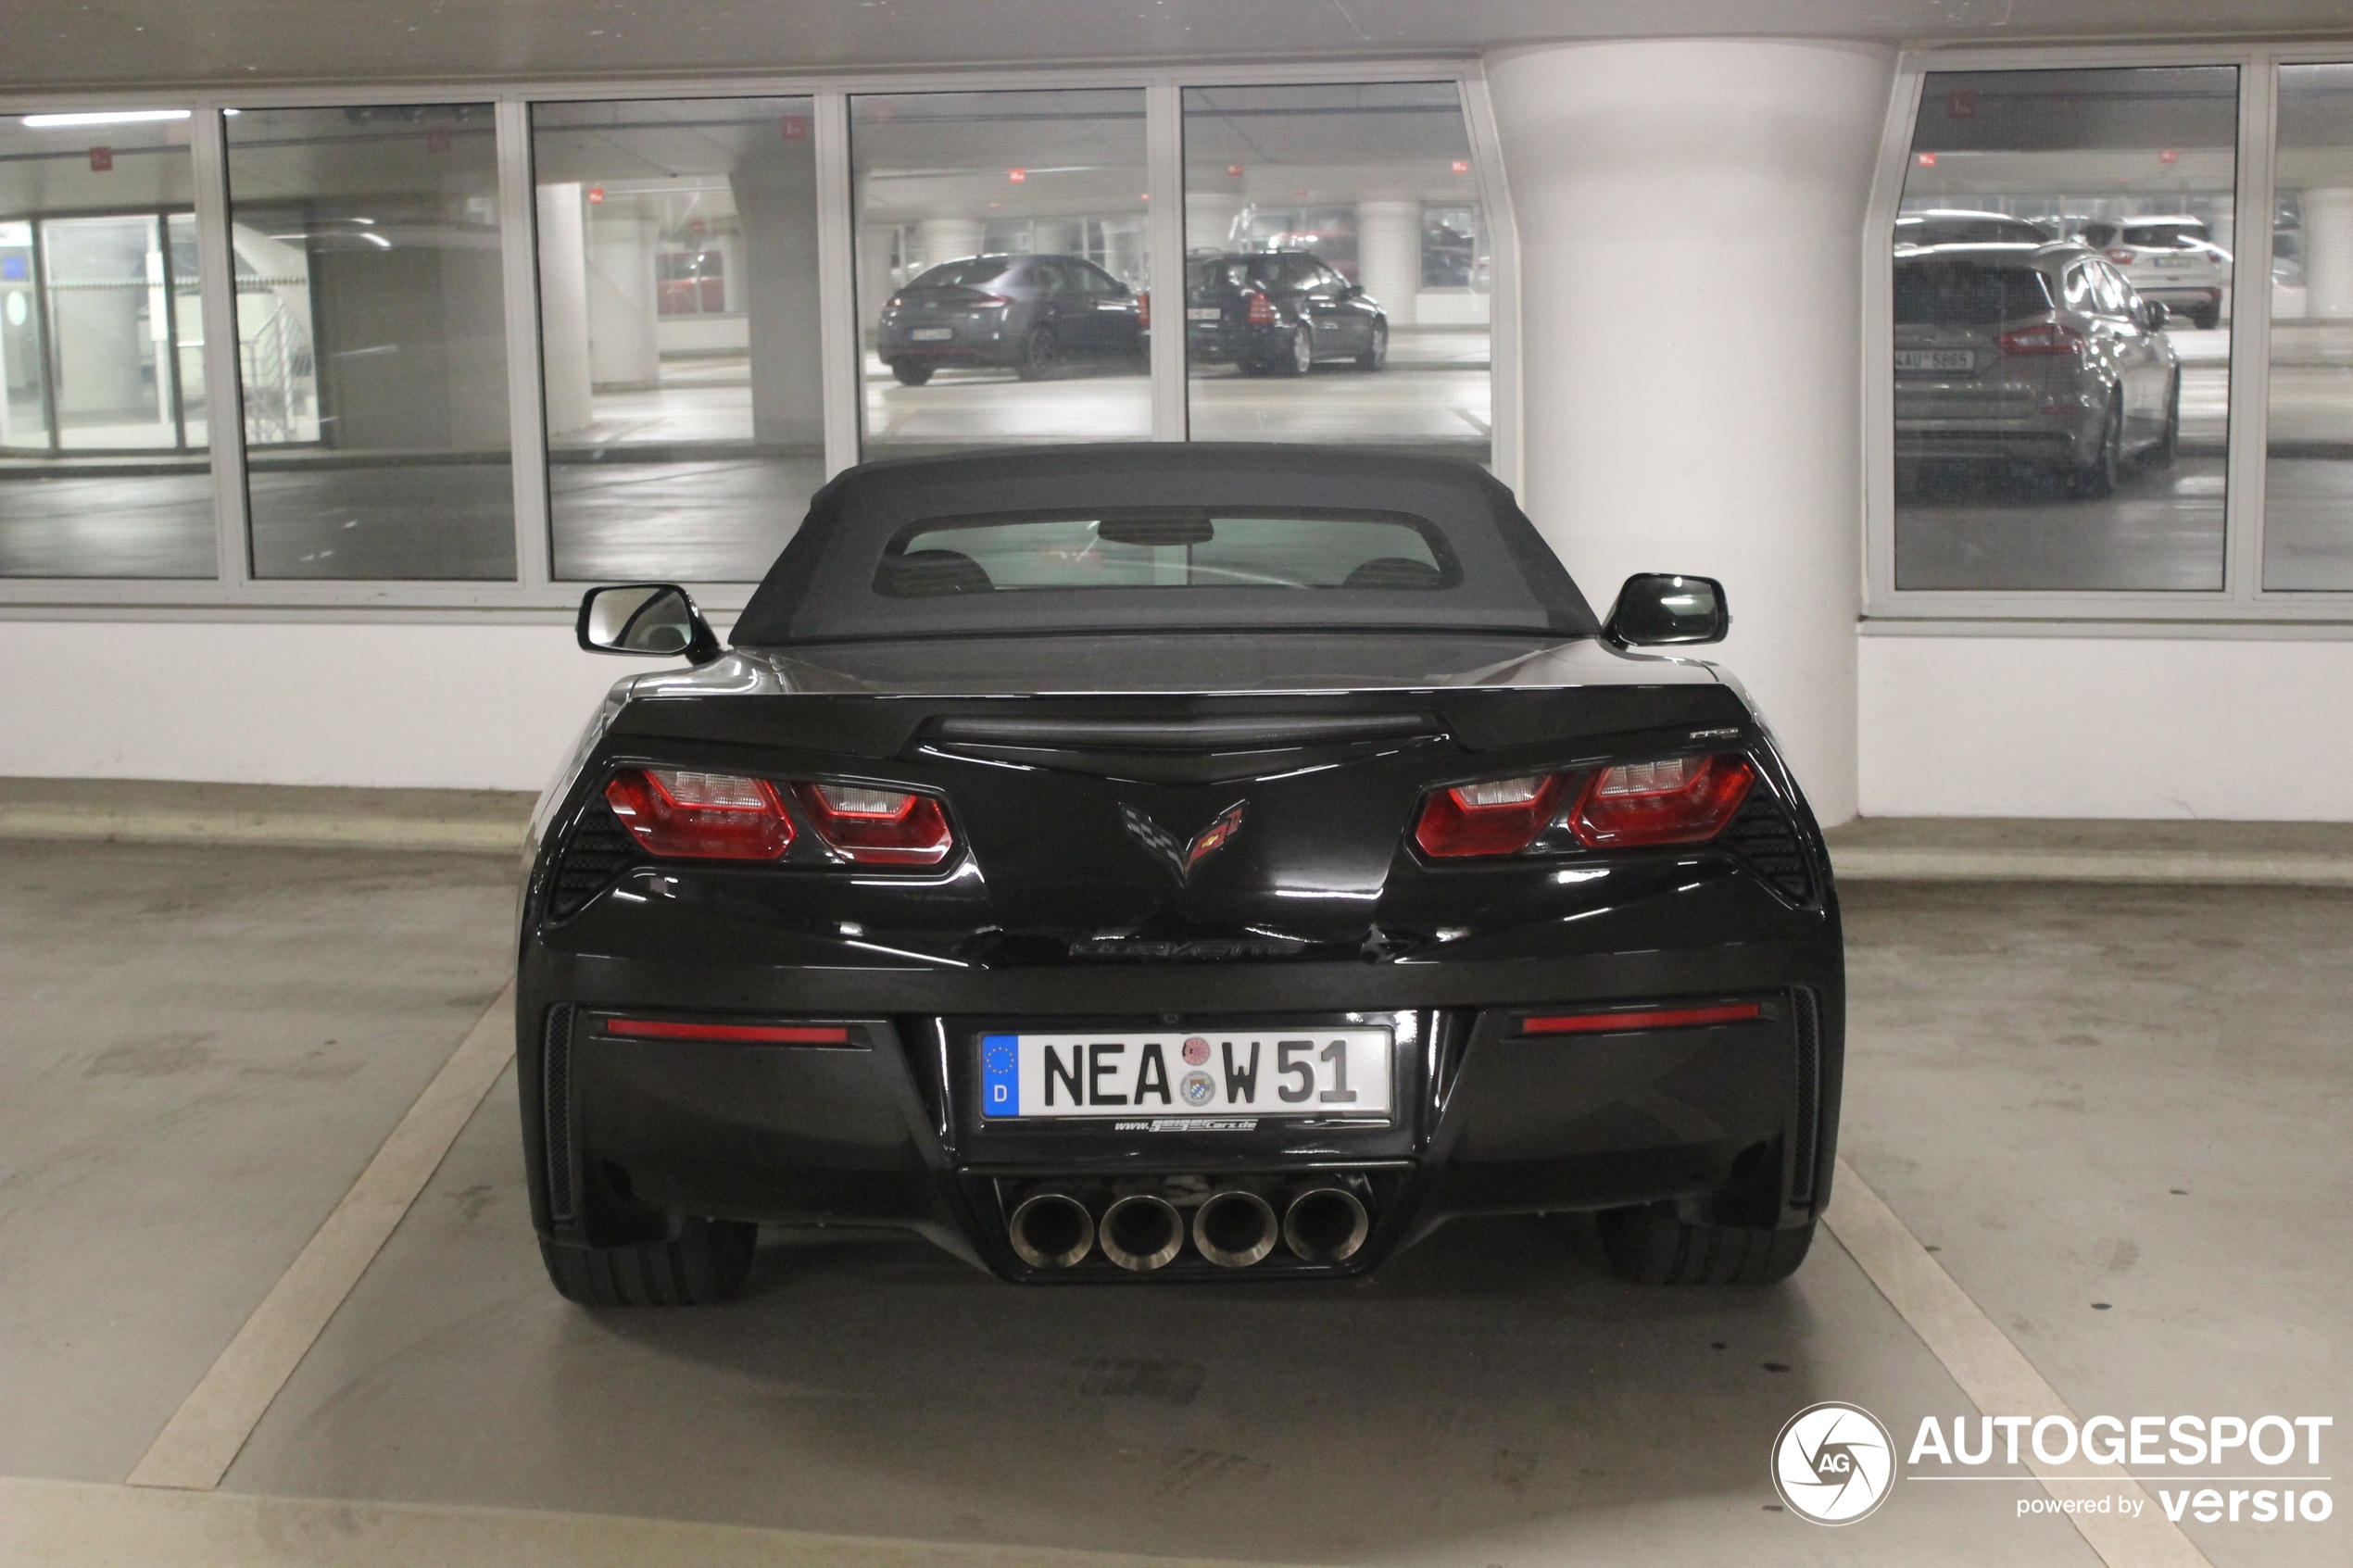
x: 931, y: 334
x: 1203, y: 313
x: 1935, y: 361
x: 1192, y: 1077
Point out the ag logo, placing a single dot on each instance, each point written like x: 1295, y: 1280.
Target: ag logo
x: 1833, y: 1463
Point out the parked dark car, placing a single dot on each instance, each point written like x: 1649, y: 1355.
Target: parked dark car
x: 1034, y: 314
x: 1278, y: 313
x: 1173, y: 861
x: 2032, y: 358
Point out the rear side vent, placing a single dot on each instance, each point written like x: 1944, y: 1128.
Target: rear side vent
x: 600, y: 850
x: 1764, y: 837
x: 555, y: 1090
x: 1808, y: 1027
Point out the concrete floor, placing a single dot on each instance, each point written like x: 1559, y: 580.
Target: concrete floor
x: 207, y: 1043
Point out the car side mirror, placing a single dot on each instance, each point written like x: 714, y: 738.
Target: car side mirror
x: 2153, y: 316
x: 1657, y: 610
x: 653, y: 619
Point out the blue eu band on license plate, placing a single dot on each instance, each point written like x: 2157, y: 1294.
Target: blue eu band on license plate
x: 1289, y: 1071
x: 1000, y: 1075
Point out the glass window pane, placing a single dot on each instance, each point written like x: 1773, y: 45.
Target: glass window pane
x: 2052, y: 432
x: 1002, y: 269
x: 371, y: 341
x: 104, y: 470
x: 1336, y: 280
x: 679, y: 322
x: 2308, y: 490
x: 1176, y: 548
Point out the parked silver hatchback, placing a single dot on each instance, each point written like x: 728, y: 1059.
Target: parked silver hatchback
x: 2036, y: 357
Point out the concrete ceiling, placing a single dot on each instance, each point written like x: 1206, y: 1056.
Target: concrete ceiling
x: 130, y: 42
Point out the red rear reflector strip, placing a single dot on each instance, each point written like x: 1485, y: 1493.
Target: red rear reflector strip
x: 1611, y: 1022
x: 756, y: 1033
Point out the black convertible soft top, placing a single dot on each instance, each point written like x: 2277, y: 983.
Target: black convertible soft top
x: 834, y: 581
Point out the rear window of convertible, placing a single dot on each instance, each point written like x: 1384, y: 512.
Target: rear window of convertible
x: 1166, y: 547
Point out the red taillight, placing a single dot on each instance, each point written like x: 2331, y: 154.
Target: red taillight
x: 991, y: 302
x: 750, y: 1034
x: 2122, y: 257
x: 1676, y: 800
x: 701, y: 816
x: 1498, y: 817
x: 876, y: 827
x: 2049, y: 338
x: 1262, y: 309
x: 1662, y: 1018
x: 893, y: 303
x: 1144, y: 308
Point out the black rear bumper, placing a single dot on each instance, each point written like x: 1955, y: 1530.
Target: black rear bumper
x: 1735, y: 1122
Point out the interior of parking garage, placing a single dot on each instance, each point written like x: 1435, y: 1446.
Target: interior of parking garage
x: 1999, y: 366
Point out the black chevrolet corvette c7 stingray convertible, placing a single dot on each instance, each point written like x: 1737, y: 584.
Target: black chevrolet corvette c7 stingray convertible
x: 1165, y: 862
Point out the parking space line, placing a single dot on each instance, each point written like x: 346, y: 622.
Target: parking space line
x: 202, y: 1438
x: 1993, y: 1372
x: 82, y: 1525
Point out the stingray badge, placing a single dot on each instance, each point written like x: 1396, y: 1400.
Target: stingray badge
x: 1181, y: 856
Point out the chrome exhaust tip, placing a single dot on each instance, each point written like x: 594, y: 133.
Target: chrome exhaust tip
x: 1142, y: 1232
x: 1234, y: 1228
x: 1326, y: 1226
x: 1052, y: 1230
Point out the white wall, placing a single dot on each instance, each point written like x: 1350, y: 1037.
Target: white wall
x: 2081, y: 727
x: 417, y: 705
x: 1677, y: 424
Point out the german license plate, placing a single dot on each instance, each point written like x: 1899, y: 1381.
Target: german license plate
x: 1209, y: 1076
x: 1203, y: 313
x: 1932, y: 360
x: 931, y: 334
x: 2175, y: 260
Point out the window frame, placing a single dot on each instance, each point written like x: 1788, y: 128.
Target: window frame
x: 2242, y: 606
x: 534, y: 595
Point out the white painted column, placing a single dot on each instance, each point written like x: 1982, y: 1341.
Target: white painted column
x: 2327, y: 253
x: 1697, y: 406
x: 564, y: 309
x: 776, y: 203
x: 621, y: 349
x: 1389, y: 256
x: 949, y: 239
x: 1209, y: 218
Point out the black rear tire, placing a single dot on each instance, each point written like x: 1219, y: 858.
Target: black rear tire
x: 1040, y: 354
x: 705, y: 1262
x: 2099, y: 479
x: 1650, y: 1246
x: 2206, y: 320
x: 1299, y: 354
x: 2169, y: 445
x: 909, y: 373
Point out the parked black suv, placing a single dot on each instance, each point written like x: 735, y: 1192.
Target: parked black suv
x: 1034, y: 313
x: 1278, y: 312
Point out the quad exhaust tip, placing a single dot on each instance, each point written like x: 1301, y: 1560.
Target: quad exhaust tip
x: 1235, y: 1228
x: 1142, y: 1232
x: 1325, y: 1225
x: 1053, y: 1230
